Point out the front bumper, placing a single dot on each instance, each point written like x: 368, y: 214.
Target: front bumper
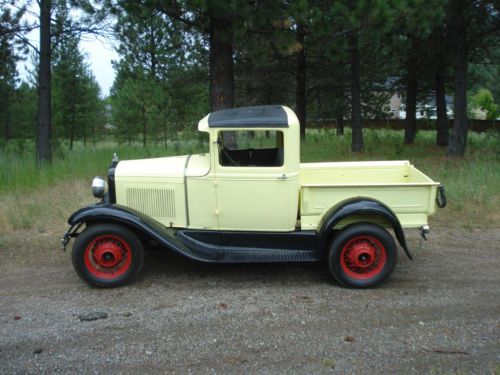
x: 70, y: 233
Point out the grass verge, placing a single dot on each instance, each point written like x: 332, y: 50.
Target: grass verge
x: 32, y: 197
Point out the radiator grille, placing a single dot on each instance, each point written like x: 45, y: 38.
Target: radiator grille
x: 155, y: 202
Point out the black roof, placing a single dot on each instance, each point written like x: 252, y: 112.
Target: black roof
x: 252, y: 117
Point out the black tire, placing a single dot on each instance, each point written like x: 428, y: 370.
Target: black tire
x: 107, y: 255
x: 362, y: 255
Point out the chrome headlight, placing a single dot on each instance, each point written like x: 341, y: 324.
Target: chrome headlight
x: 99, y: 187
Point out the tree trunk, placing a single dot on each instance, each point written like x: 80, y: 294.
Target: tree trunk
x: 221, y: 63
x: 300, y: 79
x: 458, y: 140
x: 143, y: 110
x: 43, y: 135
x: 165, y: 127
x: 442, y: 118
x: 73, y: 110
x: 5, y: 105
x: 357, y: 130
x: 411, y: 105
x: 84, y: 135
x: 221, y: 91
x: 72, y: 130
x: 340, y: 124
x: 7, y: 135
x: 94, y: 130
x: 152, y: 49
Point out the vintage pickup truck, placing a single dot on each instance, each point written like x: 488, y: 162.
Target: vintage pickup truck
x: 249, y: 199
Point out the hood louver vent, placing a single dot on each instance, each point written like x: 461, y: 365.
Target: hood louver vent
x: 155, y: 202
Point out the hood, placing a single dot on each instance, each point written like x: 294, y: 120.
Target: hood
x: 173, y: 166
x: 157, y: 167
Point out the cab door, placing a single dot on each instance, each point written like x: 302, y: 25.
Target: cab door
x: 254, y: 191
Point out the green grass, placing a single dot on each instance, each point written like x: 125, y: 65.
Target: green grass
x: 19, y: 171
x: 385, y: 144
x: 472, y: 183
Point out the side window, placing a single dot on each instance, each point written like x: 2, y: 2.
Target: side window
x: 251, y: 148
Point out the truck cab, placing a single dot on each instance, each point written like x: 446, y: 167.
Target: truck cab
x: 250, y: 199
x: 249, y: 180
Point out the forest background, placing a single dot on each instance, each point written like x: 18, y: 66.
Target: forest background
x: 331, y: 61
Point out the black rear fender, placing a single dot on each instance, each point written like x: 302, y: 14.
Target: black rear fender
x: 360, y: 207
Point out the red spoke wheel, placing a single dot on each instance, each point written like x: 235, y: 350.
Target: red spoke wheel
x: 362, y: 255
x: 107, y: 255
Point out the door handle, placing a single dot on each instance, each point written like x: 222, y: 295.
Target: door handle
x: 283, y: 177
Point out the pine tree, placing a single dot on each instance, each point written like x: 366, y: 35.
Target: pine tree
x: 10, y: 23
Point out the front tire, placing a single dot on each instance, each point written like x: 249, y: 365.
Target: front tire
x: 107, y: 255
x: 362, y: 255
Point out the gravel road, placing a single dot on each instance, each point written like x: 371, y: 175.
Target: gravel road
x: 438, y: 314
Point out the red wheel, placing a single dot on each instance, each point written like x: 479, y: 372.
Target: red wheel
x: 107, y: 255
x: 362, y: 255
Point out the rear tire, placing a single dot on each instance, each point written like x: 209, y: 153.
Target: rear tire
x: 107, y: 255
x: 362, y: 255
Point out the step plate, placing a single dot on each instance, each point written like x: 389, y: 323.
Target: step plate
x: 256, y: 256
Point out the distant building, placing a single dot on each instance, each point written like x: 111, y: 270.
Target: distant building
x: 395, y: 105
x: 425, y: 109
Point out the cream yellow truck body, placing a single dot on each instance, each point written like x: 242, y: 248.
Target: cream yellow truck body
x: 249, y: 199
x: 197, y: 192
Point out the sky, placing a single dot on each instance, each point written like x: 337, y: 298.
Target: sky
x: 99, y: 53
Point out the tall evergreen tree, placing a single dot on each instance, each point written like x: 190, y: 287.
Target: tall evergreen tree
x: 44, y: 114
x: 77, y: 104
x: 9, y: 56
x: 156, y: 57
x: 47, y: 27
x: 363, y: 25
x: 474, y: 28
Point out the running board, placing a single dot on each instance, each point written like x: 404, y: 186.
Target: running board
x: 257, y: 256
x: 250, y: 247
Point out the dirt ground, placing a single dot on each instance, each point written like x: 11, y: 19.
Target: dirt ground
x: 438, y: 314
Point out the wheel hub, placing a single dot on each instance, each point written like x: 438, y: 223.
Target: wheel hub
x: 362, y: 255
x: 107, y: 254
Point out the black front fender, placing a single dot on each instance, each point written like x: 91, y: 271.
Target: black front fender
x: 114, y: 212
x: 356, y: 207
x: 135, y: 220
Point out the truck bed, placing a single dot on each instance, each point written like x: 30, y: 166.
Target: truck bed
x: 397, y: 184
